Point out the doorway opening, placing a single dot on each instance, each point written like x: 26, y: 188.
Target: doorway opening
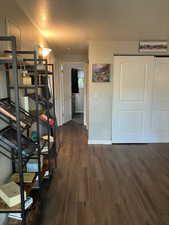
x: 78, y: 86
x: 74, y: 103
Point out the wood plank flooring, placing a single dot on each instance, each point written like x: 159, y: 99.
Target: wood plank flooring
x: 107, y: 185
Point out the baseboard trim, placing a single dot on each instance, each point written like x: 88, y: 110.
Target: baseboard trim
x: 99, y: 142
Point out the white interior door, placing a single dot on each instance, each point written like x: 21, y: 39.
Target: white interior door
x: 86, y: 97
x: 67, y: 95
x: 160, y: 101
x: 132, y: 97
x: 79, y: 101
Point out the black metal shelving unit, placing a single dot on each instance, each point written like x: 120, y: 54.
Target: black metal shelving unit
x: 49, y: 110
x: 54, y: 148
x: 13, y: 62
x: 15, y: 137
x: 25, y: 89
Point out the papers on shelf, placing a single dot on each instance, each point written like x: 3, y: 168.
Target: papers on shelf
x: 46, y: 173
x: 45, y: 149
x: 17, y: 216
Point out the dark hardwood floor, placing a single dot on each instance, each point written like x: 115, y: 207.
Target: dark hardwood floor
x: 107, y: 185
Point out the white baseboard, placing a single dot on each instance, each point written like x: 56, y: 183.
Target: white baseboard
x: 99, y: 142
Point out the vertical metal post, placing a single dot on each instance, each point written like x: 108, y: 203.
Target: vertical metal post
x: 13, y: 162
x: 9, y: 97
x: 7, y: 81
x: 48, y: 116
x: 16, y: 88
x: 54, y: 115
x: 37, y: 117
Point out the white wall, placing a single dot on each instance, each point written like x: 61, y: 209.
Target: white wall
x: 30, y: 36
x: 100, y: 94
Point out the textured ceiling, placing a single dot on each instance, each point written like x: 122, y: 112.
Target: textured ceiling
x: 68, y: 25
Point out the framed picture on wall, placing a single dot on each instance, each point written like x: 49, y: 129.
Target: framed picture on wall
x: 101, y: 72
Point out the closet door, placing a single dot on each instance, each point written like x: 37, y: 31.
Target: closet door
x: 132, y: 97
x: 160, y: 101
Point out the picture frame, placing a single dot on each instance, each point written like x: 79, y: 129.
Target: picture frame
x: 101, y: 72
x: 153, y: 46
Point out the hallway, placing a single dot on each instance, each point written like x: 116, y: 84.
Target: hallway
x: 107, y: 185
x: 78, y: 118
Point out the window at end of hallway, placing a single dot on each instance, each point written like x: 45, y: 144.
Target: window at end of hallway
x: 81, y: 79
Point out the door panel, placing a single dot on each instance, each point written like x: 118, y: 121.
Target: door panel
x: 135, y: 90
x: 160, y: 101
x: 125, y: 125
x: 132, y: 95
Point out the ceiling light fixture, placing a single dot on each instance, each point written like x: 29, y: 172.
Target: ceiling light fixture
x: 41, y: 51
x: 46, y: 51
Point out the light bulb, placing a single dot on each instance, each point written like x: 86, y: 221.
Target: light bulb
x: 46, y: 51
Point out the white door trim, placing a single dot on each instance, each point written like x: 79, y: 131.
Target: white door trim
x: 70, y: 65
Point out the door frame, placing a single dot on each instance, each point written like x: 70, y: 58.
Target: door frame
x: 71, y: 65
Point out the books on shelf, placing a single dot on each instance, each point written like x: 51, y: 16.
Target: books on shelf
x: 25, y: 103
x: 10, y: 194
x: 17, y: 216
x: 4, y: 110
x: 9, y: 136
x: 8, y: 109
x: 28, y: 177
x: 45, y: 148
